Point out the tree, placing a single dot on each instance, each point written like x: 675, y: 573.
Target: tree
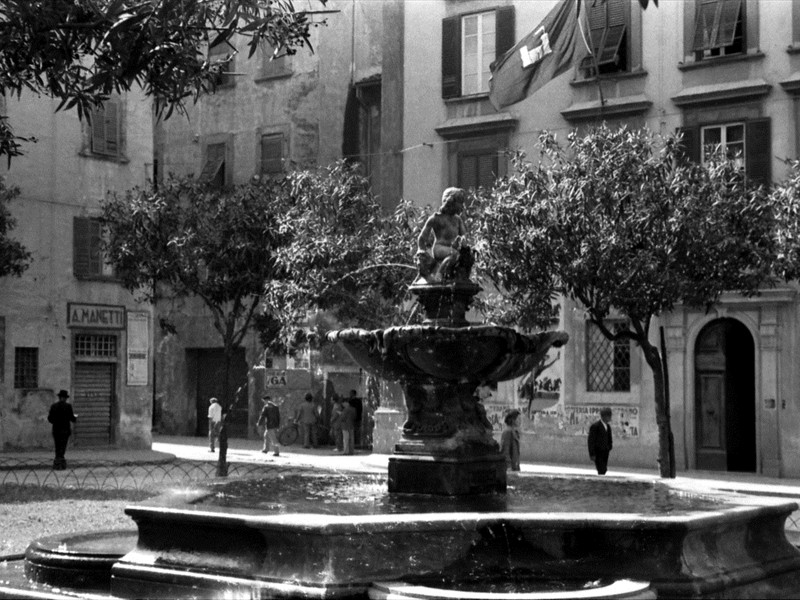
x: 14, y: 259
x: 186, y: 240
x: 344, y: 257
x: 81, y: 51
x: 620, y: 223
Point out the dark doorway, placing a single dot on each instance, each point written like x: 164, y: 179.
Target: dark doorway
x: 725, y: 419
x: 210, y: 378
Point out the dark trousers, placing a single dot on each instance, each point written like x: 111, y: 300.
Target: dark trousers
x: 60, y: 440
x: 601, y: 462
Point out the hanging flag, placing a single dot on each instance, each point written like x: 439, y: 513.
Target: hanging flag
x: 545, y: 53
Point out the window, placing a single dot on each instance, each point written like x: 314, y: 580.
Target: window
x: 88, y: 261
x: 105, y: 126
x: 221, y: 53
x: 748, y: 141
x: 271, y: 67
x: 723, y: 139
x: 608, y: 363
x: 470, y: 43
x: 26, y: 368
x: 213, y: 171
x: 94, y: 346
x: 477, y: 169
x: 271, y: 154
x: 719, y: 28
x: 608, y: 31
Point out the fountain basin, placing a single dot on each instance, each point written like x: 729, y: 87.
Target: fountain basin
x: 226, y: 539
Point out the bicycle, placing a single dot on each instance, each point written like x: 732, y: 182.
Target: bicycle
x: 288, y: 434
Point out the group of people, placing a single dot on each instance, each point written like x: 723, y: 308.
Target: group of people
x: 600, y: 440
x: 342, y: 423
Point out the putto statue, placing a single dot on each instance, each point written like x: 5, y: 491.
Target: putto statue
x: 442, y: 255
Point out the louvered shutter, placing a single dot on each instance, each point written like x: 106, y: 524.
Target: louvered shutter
x: 504, y: 30
x: 111, y: 127
x: 607, y: 24
x: 87, y: 258
x: 271, y: 154
x: 98, y: 126
x: 690, y: 144
x: 451, y: 57
x: 758, y: 150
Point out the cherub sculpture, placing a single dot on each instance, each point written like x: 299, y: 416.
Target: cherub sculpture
x: 442, y: 254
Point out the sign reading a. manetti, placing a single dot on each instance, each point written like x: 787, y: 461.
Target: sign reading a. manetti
x: 97, y: 316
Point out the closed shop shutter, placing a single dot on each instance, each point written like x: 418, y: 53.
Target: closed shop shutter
x: 93, y: 387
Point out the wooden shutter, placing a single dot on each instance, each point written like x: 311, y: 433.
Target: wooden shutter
x: 758, y: 150
x: 607, y: 24
x: 87, y: 258
x: 451, y: 57
x: 504, y: 30
x: 690, y: 144
x: 271, y: 154
x: 105, y: 126
x: 98, y: 127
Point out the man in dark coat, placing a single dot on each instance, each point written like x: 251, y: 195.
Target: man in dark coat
x: 270, y: 418
x: 62, y: 417
x: 600, y: 441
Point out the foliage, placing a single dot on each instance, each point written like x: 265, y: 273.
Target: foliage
x: 14, y: 259
x: 619, y: 222
x: 785, y: 198
x: 81, y: 51
x: 344, y: 257
x: 218, y: 245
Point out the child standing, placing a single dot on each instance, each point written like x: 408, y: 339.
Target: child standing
x: 509, y: 441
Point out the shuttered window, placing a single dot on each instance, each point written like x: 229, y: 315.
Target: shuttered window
x: 272, y: 154
x: 608, y: 27
x: 719, y: 28
x: 470, y: 43
x: 213, y: 171
x: 87, y: 259
x: 26, y: 368
x: 748, y: 142
x: 105, y: 125
x: 271, y: 67
x: 477, y: 170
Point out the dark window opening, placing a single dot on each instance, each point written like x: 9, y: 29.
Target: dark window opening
x: 26, y: 368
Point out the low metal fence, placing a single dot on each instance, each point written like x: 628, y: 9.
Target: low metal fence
x: 108, y: 475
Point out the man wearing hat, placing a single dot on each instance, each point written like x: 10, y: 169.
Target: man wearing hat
x: 61, y: 416
x: 270, y: 418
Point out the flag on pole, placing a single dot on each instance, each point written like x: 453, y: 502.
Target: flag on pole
x: 552, y: 48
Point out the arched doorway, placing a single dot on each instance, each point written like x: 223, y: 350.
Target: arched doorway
x: 725, y: 419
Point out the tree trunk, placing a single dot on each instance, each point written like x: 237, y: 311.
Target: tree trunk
x: 653, y: 358
x: 222, y: 460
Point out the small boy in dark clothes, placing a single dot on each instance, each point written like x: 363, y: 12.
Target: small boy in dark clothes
x: 509, y: 441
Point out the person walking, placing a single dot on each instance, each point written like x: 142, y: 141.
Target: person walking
x: 600, y: 440
x: 62, y: 417
x: 348, y: 421
x: 509, y: 440
x: 307, y: 418
x: 270, y: 418
x: 214, y: 422
x: 336, y: 423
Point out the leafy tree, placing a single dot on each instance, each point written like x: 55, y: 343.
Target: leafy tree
x: 186, y: 240
x: 344, y: 257
x: 618, y: 222
x: 81, y: 51
x: 14, y: 258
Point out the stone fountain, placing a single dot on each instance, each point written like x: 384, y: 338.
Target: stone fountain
x: 450, y: 524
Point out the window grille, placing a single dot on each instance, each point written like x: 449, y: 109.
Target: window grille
x: 95, y: 346
x: 26, y: 368
x: 608, y: 363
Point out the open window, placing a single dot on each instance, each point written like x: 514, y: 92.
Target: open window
x: 719, y: 28
x: 213, y: 172
x: 608, y: 25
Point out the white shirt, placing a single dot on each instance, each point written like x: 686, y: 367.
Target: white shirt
x: 215, y: 412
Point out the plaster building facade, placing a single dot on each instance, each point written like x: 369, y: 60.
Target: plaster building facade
x: 67, y: 323
x: 723, y: 71
x: 268, y: 116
